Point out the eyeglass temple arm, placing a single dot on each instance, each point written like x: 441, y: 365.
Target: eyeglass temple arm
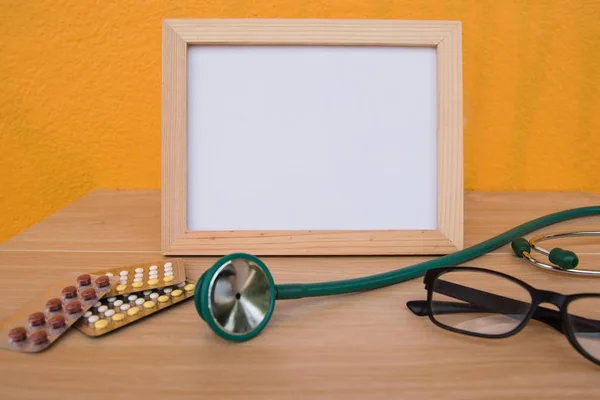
x: 480, y: 301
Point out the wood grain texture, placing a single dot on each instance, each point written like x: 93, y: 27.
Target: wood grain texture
x: 352, y: 346
x: 312, y: 242
x: 445, y: 36
x: 290, y: 31
x: 174, y: 137
x: 450, y: 138
x: 490, y: 213
x: 129, y: 220
x: 103, y: 220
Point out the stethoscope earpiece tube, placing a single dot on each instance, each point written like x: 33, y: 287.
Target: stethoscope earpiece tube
x: 561, y: 260
x: 236, y: 296
x: 564, y: 259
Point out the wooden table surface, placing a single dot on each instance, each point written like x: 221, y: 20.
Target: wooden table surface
x: 364, y: 345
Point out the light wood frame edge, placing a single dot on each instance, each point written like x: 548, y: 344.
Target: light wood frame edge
x: 445, y: 36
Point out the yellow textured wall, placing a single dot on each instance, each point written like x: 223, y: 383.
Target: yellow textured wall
x: 80, y: 98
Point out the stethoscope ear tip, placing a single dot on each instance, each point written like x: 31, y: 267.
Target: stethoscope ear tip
x: 565, y: 259
x: 520, y: 246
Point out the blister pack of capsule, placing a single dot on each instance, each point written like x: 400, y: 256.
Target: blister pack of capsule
x: 40, y: 323
x: 146, y: 276
x: 115, y: 312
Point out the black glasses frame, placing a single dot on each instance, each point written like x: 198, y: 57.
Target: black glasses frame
x: 558, y: 320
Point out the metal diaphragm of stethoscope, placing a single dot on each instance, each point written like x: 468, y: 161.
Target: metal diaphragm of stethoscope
x: 236, y: 296
x: 561, y: 260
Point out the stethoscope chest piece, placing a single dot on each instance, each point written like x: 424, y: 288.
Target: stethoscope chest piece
x: 236, y: 296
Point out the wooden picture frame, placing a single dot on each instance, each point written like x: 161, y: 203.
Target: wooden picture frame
x: 443, y: 36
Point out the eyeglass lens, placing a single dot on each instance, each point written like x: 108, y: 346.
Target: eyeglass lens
x: 584, y: 321
x: 477, y: 302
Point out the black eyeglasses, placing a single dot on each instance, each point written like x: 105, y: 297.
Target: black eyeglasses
x: 502, y: 305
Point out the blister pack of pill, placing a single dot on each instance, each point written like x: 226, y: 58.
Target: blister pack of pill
x: 115, y: 312
x: 146, y: 276
x: 40, y: 323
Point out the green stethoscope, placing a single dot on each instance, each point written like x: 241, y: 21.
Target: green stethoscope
x: 236, y: 296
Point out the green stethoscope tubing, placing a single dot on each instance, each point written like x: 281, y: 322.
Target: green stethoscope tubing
x: 296, y: 291
x: 299, y: 290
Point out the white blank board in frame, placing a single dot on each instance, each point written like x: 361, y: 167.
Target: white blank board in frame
x: 285, y: 147
x: 311, y: 138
